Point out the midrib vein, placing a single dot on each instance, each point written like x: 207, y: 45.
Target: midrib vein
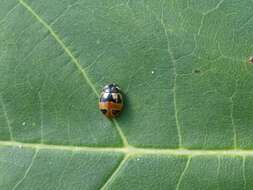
x: 130, y: 150
x: 74, y: 60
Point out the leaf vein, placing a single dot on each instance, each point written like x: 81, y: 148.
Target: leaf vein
x: 218, y: 170
x: 232, y: 122
x: 74, y: 60
x: 171, y: 54
x: 133, y: 150
x: 183, y: 173
x: 243, y: 172
x: 41, y: 118
x: 114, y: 173
x: 61, y: 43
x: 27, y: 170
x: 8, y: 13
x: 215, y: 8
x: 6, y: 117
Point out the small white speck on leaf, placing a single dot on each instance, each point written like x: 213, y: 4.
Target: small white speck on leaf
x: 138, y: 159
x: 24, y: 123
x: 19, y: 146
x: 251, y: 60
x: 152, y: 72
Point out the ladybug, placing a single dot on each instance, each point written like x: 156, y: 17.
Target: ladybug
x: 111, y: 101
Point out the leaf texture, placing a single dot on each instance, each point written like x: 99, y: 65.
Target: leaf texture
x: 182, y: 65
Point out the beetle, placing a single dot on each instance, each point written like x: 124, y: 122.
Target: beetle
x: 111, y: 101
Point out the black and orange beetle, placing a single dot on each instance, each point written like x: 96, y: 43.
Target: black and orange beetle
x: 111, y: 101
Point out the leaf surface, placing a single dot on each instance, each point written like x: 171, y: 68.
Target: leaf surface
x: 182, y: 65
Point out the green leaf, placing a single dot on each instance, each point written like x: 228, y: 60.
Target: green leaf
x: 188, y: 117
